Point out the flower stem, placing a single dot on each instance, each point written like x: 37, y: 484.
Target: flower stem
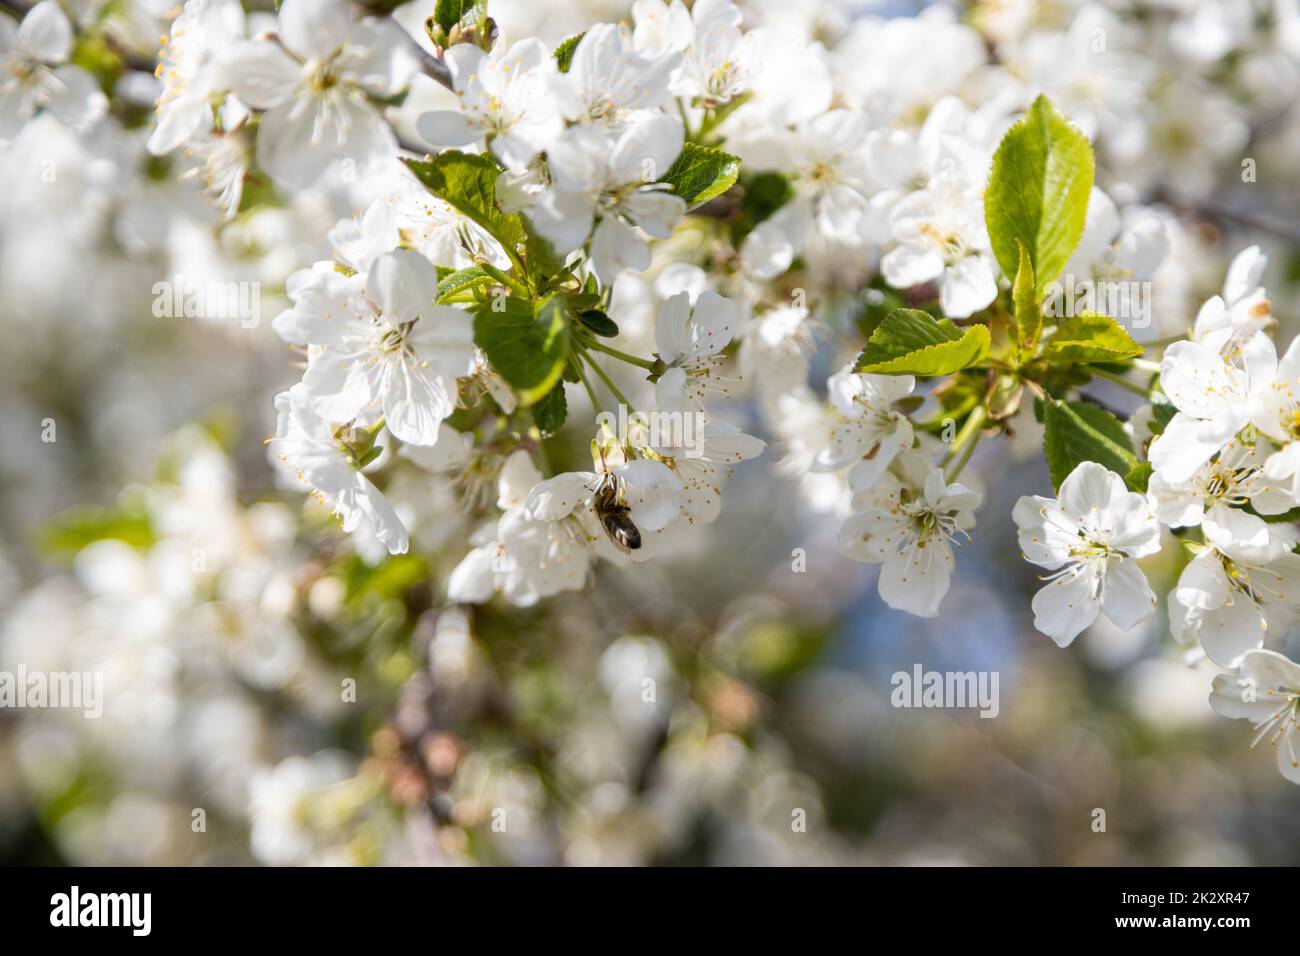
x: 686, y: 121
x: 513, y: 284
x: 591, y: 392
x: 646, y: 364
x: 964, y: 444
x: 609, y: 383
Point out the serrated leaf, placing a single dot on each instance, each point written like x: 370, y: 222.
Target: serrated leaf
x: 1090, y: 339
x: 702, y: 172
x: 564, y: 52
x: 529, y: 348
x: 549, y: 413
x: 912, y: 342
x: 1038, y: 192
x: 459, y: 281
x: 469, y: 183
x: 1024, y: 299
x: 1078, y: 431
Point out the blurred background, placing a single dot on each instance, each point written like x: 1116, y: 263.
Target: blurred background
x: 281, y: 694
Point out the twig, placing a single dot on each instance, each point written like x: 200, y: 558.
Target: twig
x: 433, y: 66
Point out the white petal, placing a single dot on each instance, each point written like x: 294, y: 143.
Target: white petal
x: 616, y: 247
x: 416, y: 402
x: 446, y: 128
x: 517, y: 479
x: 1183, y: 447
x: 556, y: 497
x: 402, y: 284
x: 564, y: 218
x: 911, y: 264
x: 968, y: 286
x: 288, y: 146
x: 46, y: 33
x: 1230, y: 631
x: 767, y: 250
x: 654, y: 494
x: 1203, y: 584
x: 671, y: 338
x: 1090, y: 486
x: 474, y: 579
x: 259, y: 72
x: 314, y: 28
x: 916, y: 580
x: 1065, y: 607
x: 76, y: 100
x: 670, y: 390
x: 1126, y: 597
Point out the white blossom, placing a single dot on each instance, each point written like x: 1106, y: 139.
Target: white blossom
x: 35, y: 72
x: 506, y: 100
x: 315, y: 80
x: 907, y: 524
x: 1090, y: 537
x: 320, y: 454
x: 1265, y: 690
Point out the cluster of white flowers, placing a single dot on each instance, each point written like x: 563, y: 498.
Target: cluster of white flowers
x: 501, y: 242
x: 1222, y: 452
x: 584, y: 146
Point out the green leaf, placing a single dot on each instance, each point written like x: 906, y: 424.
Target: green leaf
x: 564, y: 52
x: 550, y: 411
x: 1079, y: 431
x: 912, y: 342
x: 390, y: 579
x: 957, y: 397
x: 1038, y: 192
x: 528, y: 348
x: 73, y: 530
x: 701, y: 173
x: 1140, y: 477
x: 459, y: 281
x: 542, y: 260
x: 1088, y: 339
x: 762, y: 194
x: 469, y: 183
x: 1024, y: 298
x: 449, y: 13
x: 1162, y: 413
x: 599, y: 322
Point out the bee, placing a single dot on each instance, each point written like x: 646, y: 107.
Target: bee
x: 609, y: 500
